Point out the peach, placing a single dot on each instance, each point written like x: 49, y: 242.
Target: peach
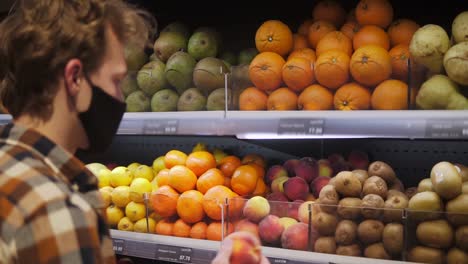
x: 248, y: 226
x: 317, y: 185
x: 303, y: 211
x: 277, y: 196
x: 293, y: 209
x: 297, y: 237
x: 358, y: 159
x: 310, y: 197
x: 307, y: 169
x: 296, y: 188
x: 277, y: 184
x: 290, y: 166
x: 246, y: 248
x: 274, y: 172
x: 256, y: 208
x: 270, y: 230
x: 287, y: 222
x: 324, y: 168
x: 335, y: 158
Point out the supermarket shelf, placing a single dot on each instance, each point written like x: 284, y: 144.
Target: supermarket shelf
x: 299, y: 124
x: 187, y: 250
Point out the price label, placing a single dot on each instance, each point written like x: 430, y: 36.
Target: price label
x: 174, y: 254
x: 301, y: 126
x: 118, y: 245
x: 160, y: 127
x: 278, y: 260
x: 452, y: 129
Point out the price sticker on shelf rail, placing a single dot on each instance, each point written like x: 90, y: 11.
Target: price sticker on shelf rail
x: 161, y: 127
x: 300, y: 126
x: 174, y: 253
x: 118, y: 245
x: 277, y: 260
x: 451, y: 129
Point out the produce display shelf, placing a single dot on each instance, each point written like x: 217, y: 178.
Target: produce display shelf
x: 188, y: 250
x: 412, y: 124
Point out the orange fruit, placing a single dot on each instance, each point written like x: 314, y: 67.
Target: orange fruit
x: 244, y: 180
x: 162, y: 178
x: 400, y: 57
x: 200, y: 161
x: 315, y: 97
x: 299, y: 41
x: 215, y: 199
x: 165, y: 227
x: 274, y: 36
x: 182, y: 178
x: 164, y: 201
x: 318, y: 30
x: 352, y: 96
x: 198, y: 230
x: 260, y: 188
x: 374, y: 12
x: 370, y: 65
x: 282, y: 99
x: 265, y: 71
x: 371, y: 35
x: 215, y: 230
x: 332, y: 69
x: 252, y: 99
x: 181, y: 228
x: 334, y: 40
x: 190, y: 206
x: 329, y: 10
x: 254, y: 158
x: 350, y: 29
x: 298, y: 73
x: 227, y: 182
x: 229, y: 164
x: 174, y: 157
x: 303, y: 28
x: 260, y: 170
x: 305, y: 53
x: 401, y: 31
x: 210, y: 178
x: 390, y: 95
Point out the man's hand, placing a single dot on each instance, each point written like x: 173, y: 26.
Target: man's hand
x: 225, y: 252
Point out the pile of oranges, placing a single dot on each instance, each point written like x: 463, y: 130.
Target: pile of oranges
x: 193, y: 190
x: 336, y: 61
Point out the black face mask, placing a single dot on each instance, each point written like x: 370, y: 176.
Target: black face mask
x: 101, y: 120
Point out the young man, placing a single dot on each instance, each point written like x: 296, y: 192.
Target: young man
x: 61, y: 63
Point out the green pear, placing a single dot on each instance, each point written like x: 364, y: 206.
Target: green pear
x: 179, y: 71
x: 202, y: 44
x: 164, y: 101
x: 138, y: 102
x: 217, y: 99
x: 169, y: 43
x: 191, y: 100
x: 177, y: 26
x: 151, y: 77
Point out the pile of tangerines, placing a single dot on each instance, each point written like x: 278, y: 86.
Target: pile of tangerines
x: 194, y: 190
x: 354, y: 61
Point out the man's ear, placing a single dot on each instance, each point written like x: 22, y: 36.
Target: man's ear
x: 72, y: 76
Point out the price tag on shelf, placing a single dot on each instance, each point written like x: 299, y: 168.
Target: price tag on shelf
x: 277, y: 260
x: 174, y: 253
x: 300, y: 126
x: 450, y: 129
x: 161, y: 127
x: 118, y: 245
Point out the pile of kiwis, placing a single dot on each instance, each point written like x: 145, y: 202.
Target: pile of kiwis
x: 360, y: 213
x: 439, y: 213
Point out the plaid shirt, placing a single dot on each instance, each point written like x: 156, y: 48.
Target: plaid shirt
x: 50, y: 208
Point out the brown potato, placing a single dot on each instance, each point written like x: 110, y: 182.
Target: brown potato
x: 371, y: 206
x: 346, y: 232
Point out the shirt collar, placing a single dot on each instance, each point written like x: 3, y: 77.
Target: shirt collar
x: 62, y: 162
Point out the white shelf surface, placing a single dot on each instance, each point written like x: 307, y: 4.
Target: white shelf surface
x: 188, y: 250
x: 412, y: 124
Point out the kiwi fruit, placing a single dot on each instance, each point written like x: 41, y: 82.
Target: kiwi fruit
x: 370, y: 231
x: 325, y: 245
x: 410, y: 192
x: 376, y: 251
x: 436, y: 234
x: 457, y: 256
x: 457, y: 210
x: 362, y: 175
x: 394, y: 208
x: 461, y: 237
x: 353, y: 250
x: 425, y: 206
x: 347, y: 184
x: 393, y: 238
x: 346, y: 232
x: 371, y: 206
x: 446, y: 180
x: 332, y: 181
x: 328, y: 199
x: 375, y: 185
x: 383, y: 170
x: 425, y: 185
x: 392, y: 193
x: 426, y: 255
x: 325, y: 223
x: 465, y: 187
x: 463, y: 170
x: 397, y: 185
x: 349, y: 208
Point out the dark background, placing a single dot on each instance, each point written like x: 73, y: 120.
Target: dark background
x: 238, y: 20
